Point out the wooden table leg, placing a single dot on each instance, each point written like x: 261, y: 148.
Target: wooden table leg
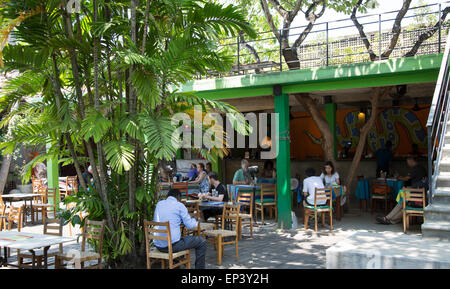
x: 33, y: 259
x: 46, y: 256
x: 4, y: 260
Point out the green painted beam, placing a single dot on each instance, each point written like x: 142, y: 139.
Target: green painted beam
x: 379, y: 73
x: 330, y: 116
x: 284, y: 198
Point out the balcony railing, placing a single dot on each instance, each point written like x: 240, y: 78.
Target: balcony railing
x: 337, y: 42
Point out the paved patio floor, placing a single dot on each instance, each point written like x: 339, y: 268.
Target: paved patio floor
x: 279, y: 249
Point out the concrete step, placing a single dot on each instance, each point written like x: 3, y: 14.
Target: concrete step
x: 443, y: 180
x: 442, y: 196
x: 445, y: 152
x: 369, y: 250
x: 437, y: 212
x: 444, y: 165
x: 436, y: 230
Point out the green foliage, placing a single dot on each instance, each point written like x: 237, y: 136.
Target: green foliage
x: 126, y: 118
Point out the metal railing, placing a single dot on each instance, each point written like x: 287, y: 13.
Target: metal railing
x: 323, y: 46
x: 437, y: 121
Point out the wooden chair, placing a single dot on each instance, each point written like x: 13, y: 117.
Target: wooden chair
x: 320, y: 194
x: 183, y: 187
x: 230, y: 215
x: 380, y: 191
x: 268, y: 200
x: 53, y: 227
x: 194, y: 211
x: 246, y: 200
x: 15, y: 215
x: 94, y: 231
x: 153, y: 228
x: 43, y: 206
x: 71, y: 187
x: 412, y: 195
x: 36, y: 184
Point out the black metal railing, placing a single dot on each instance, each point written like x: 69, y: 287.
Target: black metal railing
x: 437, y: 121
x: 323, y: 47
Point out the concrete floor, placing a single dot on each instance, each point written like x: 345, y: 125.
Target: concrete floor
x: 276, y: 249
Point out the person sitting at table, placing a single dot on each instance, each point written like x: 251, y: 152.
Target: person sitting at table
x: 218, y: 193
x: 88, y: 176
x: 269, y: 171
x: 164, y: 176
x: 192, y: 174
x: 208, y: 168
x: 309, y: 187
x: 202, y: 179
x: 242, y: 176
x: 417, y: 178
x: 384, y: 158
x: 172, y: 210
x: 329, y: 175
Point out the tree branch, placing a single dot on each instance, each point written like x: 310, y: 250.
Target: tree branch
x: 250, y: 48
x: 424, y: 36
x: 269, y: 19
x: 396, y: 29
x: 283, y: 12
x: 378, y: 94
x: 312, y: 18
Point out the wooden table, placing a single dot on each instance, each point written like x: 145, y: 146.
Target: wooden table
x: 22, y: 197
x: 30, y: 242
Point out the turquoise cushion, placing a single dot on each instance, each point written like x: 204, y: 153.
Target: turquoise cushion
x: 413, y: 209
x: 318, y: 207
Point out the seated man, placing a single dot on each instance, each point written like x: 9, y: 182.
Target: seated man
x: 172, y: 210
x: 242, y: 176
x: 309, y: 187
x: 218, y: 193
x: 88, y: 176
x: 415, y: 179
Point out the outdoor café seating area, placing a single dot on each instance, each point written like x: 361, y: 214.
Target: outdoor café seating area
x: 250, y: 213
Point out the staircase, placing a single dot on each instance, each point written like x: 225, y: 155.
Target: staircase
x: 437, y: 213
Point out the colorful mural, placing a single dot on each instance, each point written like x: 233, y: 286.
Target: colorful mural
x: 401, y: 125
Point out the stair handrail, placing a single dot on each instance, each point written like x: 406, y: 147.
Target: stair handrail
x: 437, y: 121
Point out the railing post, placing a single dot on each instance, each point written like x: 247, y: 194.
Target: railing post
x: 238, y: 56
x: 281, y: 52
x: 379, y: 36
x: 430, y: 167
x: 440, y: 27
x: 327, y: 42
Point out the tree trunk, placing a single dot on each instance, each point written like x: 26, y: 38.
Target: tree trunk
x: 4, y: 171
x: 375, y: 99
x: 132, y: 110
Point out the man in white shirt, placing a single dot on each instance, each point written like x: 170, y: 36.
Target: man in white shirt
x: 309, y: 187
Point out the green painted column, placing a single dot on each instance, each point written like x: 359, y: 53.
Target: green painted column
x: 180, y: 154
x: 53, y: 178
x: 216, y: 164
x: 284, y: 198
x: 330, y: 116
